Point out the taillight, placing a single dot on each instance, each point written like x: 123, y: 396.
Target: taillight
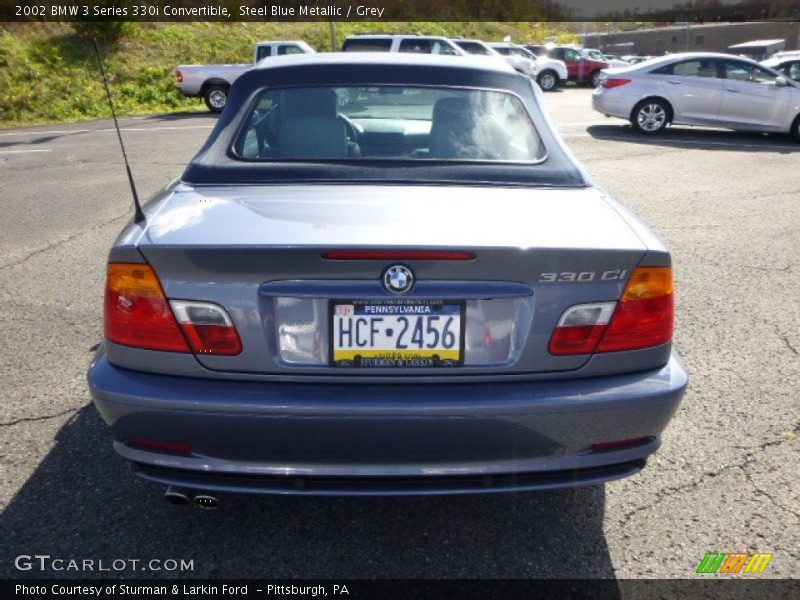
x: 621, y: 444
x: 645, y: 314
x: 614, y: 82
x: 167, y: 447
x: 208, y: 328
x: 179, y: 75
x: 644, y: 317
x: 137, y: 312
x: 580, y: 328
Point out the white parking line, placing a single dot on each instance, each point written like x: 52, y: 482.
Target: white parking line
x: 23, y: 151
x: 157, y: 128
x: 581, y: 124
x: 103, y: 130
x: 18, y: 133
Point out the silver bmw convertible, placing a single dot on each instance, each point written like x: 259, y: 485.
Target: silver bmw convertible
x: 385, y: 274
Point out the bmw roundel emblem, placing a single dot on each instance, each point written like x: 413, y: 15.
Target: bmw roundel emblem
x: 398, y: 279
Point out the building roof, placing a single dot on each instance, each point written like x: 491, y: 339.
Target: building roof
x: 758, y: 44
x: 694, y: 27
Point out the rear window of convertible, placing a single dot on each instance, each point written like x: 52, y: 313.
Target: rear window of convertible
x: 387, y: 122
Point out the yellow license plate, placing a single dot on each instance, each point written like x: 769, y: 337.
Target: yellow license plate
x: 395, y: 334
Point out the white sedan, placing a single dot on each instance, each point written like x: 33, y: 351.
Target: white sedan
x: 593, y: 54
x: 549, y: 73
x: 714, y: 90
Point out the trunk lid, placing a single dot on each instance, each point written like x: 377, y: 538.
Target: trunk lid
x: 260, y: 253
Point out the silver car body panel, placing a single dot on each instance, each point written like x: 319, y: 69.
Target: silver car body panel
x: 348, y: 215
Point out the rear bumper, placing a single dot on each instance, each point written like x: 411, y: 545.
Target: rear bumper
x: 611, y: 104
x: 385, y: 439
x: 190, y: 90
x: 388, y: 486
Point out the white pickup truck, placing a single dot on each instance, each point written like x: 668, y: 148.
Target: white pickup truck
x: 213, y: 81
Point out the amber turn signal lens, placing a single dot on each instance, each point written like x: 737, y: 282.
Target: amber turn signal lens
x: 648, y: 282
x: 137, y: 312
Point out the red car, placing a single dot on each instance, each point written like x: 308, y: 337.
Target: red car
x: 581, y: 69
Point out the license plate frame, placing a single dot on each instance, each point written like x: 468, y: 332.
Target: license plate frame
x: 416, y: 358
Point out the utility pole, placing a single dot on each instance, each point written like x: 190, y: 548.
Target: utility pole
x: 334, y: 45
x: 688, y: 24
x: 687, y: 35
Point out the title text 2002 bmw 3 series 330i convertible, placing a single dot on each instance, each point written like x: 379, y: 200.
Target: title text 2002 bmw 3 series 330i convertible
x: 386, y: 275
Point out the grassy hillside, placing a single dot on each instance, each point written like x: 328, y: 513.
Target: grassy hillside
x: 48, y: 72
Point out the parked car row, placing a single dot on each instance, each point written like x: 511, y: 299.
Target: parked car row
x: 707, y: 89
x: 550, y: 70
x: 547, y: 72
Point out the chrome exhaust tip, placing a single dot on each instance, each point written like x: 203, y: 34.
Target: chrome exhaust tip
x: 176, y: 496
x: 206, y: 501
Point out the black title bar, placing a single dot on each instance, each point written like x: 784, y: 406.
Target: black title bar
x: 700, y: 587
x: 658, y: 11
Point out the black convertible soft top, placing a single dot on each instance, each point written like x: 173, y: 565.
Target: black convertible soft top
x: 216, y: 164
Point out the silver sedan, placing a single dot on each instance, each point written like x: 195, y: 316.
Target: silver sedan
x: 713, y: 90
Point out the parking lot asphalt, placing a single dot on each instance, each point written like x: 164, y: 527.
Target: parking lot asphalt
x: 725, y: 480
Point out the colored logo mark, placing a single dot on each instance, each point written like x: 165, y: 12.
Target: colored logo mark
x: 734, y: 562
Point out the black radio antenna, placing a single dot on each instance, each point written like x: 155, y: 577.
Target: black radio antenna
x: 138, y: 214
